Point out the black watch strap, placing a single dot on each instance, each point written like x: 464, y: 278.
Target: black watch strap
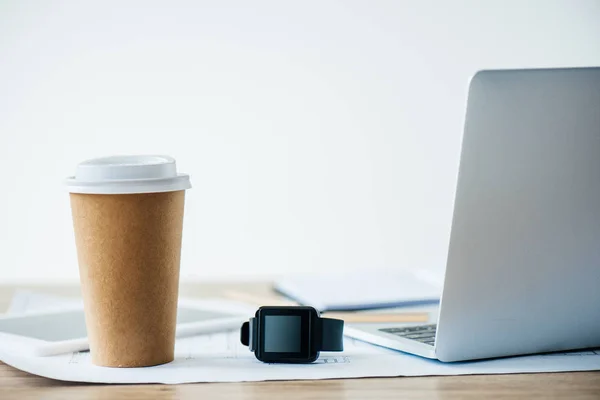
x: 248, y: 334
x: 332, y: 334
x: 245, y: 334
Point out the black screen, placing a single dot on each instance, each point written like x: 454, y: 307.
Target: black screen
x: 284, y: 333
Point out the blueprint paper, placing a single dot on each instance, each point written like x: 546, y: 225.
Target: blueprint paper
x: 24, y: 301
x: 221, y: 357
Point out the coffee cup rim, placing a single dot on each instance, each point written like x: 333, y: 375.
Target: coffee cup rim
x: 128, y: 175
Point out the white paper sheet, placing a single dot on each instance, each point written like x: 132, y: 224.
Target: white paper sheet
x: 221, y: 358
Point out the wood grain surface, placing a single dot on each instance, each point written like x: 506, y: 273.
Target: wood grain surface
x: 15, y: 384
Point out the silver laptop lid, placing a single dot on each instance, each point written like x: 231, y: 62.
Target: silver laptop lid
x: 523, y: 270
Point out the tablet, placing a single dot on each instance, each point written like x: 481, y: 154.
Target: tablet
x: 56, y: 332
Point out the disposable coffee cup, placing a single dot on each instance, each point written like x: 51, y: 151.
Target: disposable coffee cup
x: 128, y: 219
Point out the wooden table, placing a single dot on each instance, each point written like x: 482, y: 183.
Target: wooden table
x: 15, y: 384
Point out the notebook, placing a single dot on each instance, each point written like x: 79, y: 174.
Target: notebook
x: 363, y: 290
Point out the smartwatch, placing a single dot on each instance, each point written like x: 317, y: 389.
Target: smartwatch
x: 291, y: 334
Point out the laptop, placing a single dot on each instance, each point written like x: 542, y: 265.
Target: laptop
x: 523, y: 267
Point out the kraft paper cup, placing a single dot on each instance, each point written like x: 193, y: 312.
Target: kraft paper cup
x: 128, y: 219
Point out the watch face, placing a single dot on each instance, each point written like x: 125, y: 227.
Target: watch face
x: 285, y: 334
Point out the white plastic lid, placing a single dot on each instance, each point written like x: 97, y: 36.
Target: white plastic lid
x: 128, y: 174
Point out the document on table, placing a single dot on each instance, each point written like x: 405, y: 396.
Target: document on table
x: 222, y: 358
x: 370, y: 289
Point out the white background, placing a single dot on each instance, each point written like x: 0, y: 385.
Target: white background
x: 320, y: 135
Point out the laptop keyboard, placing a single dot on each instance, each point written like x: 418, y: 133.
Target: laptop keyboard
x: 423, y: 333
